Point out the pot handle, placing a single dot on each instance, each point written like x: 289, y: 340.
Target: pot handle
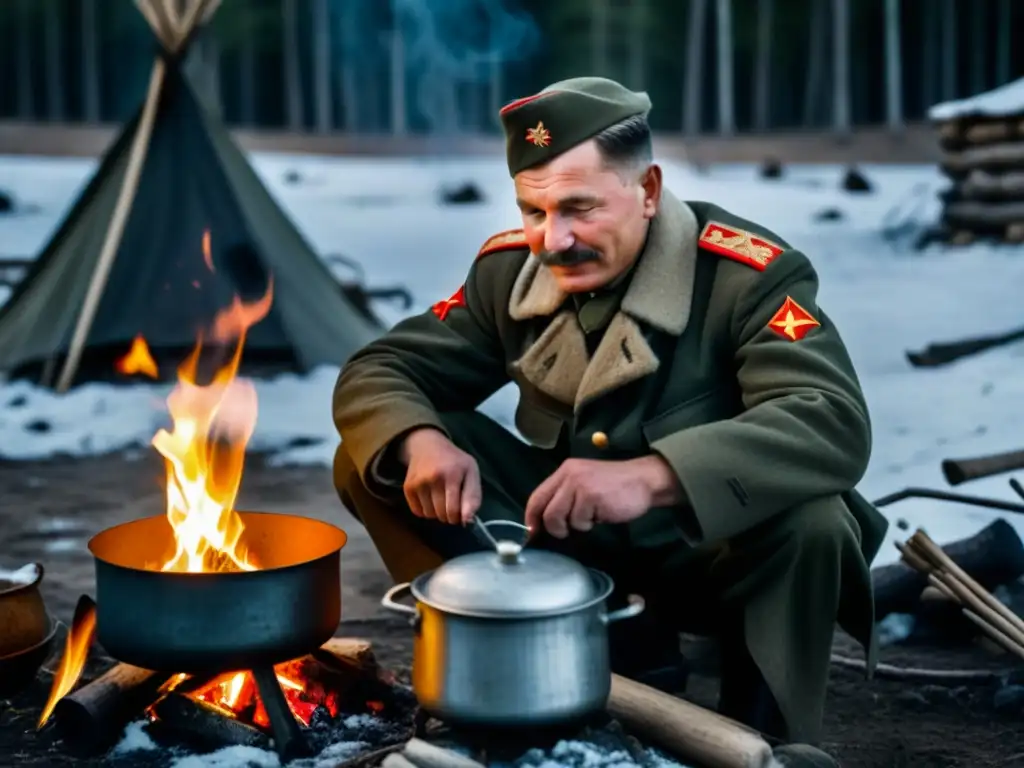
x: 389, y: 602
x: 635, y: 608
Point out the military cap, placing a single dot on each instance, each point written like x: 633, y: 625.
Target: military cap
x: 564, y: 115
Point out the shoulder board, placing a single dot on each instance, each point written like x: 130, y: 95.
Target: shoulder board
x: 509, y: 240
x: 739, y: 245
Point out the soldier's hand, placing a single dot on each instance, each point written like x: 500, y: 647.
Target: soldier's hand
x: 584, y: 492
x: 442, y: 482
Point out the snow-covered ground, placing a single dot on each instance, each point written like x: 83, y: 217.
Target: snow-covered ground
x: 385, y: 213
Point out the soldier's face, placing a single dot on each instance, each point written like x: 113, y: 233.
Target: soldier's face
x: 585, y: 221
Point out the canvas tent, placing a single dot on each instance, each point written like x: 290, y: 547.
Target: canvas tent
x: 128, y: 259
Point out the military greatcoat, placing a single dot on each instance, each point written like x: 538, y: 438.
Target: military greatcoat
x: 719, y: 359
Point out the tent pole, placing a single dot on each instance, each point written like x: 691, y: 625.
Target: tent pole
x: 130, y: 184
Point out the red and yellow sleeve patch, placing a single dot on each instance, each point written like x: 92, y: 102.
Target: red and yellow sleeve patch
x: 442, y: 308
x: 739, y: 245
x: 792, y: 321
x: 509, y: 240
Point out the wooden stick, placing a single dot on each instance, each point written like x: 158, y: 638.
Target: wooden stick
x: 398, y: 760
x: 125, y: 199
x: 999, y: 637
x: 924, y: 674
x: 936, y: 555
x: 691, y: 733
x: 427, y: 755
x: 983, y: 613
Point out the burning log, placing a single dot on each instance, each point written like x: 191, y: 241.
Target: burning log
x: 90, y: 719
x: 993, y: 556
x: 992, y: 617
x: 689, y: 732
x: 204, y: 725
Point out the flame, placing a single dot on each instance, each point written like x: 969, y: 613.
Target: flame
x: 236, y: 695
x: 205, y: 450
x: 138, y: 360
x: 76, y: 651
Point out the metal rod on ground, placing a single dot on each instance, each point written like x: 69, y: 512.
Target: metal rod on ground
x: 927, y: 493
x: 126, y: 196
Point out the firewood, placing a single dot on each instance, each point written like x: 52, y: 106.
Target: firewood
x: 423, y: 754
x: 398, y: 760
x: 348, y: 654
x: 91, y: 718
x: 690, y: 733
x: 204, y: 725
x: 978, y: 605
x: 993, y: 556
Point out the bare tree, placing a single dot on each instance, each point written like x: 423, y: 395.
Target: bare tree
x: 599, y: 22
x: 292, y: 68
x: 815, y: 85
x: 90, y: 62
x: 26, y: 91
x: 696, y: 25
x: 496, y: 78
x: 350, y: 91
x: 637, y: 27
x: 841, y: 66
x: 763, y: 65
x: 979, y: 33
x: 1003, y: 42
x: 726, y: 108
x: 399, y: 122
x: 322, y: 67
x: 893, y: 67
x: 948, y: 47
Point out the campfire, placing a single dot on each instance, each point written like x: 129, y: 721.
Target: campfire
x: 200, y: 603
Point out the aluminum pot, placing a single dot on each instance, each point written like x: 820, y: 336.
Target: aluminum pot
x: 510, y: 638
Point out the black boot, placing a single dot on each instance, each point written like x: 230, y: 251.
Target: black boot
x: 646, y: 650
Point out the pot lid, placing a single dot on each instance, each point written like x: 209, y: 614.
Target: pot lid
x: 509, y: 582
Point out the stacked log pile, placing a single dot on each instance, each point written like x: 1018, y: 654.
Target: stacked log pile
x: 982, y: 143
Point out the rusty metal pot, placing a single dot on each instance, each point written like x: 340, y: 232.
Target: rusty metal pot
x: 24, y: 622
x: 510, y: 639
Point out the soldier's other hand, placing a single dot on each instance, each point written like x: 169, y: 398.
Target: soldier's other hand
x: 442, y: 482
x: 584, y: 492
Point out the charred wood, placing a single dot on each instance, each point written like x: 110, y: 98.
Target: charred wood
x: 203, y: 726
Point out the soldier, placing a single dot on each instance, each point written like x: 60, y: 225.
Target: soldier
x: 693, y: 423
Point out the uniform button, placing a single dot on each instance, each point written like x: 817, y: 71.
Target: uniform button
x: 599, y: 439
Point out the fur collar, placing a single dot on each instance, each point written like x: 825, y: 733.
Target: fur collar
x: 660, y: 295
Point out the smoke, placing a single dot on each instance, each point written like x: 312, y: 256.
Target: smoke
x: 445, y: 47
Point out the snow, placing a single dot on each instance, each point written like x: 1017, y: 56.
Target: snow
x: 386, y: 215
x: 1005, y: 100
x: 27, y: 574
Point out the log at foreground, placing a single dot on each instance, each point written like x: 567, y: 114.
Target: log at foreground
x: 688, y: 732
x: 993, y: 556
x: 90, y: 719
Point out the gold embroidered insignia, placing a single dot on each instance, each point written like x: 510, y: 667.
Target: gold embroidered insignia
x: 792, y: 321
x: 538, y: 135
x: 738, y: 245
x: 508, y: 240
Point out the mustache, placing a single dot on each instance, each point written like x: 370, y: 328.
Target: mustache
x: 568, y: 258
